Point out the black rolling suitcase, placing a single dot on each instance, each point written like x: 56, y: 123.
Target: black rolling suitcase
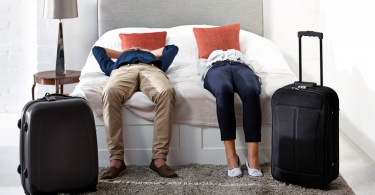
x: 58, y: 146
x: 305, y: 130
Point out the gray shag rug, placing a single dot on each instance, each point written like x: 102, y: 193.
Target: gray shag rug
x: 208, y: 179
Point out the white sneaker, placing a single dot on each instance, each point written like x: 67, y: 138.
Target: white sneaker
x: 253, y: 172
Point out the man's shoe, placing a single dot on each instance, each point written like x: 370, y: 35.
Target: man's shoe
x: 113, y: 173
x: 163, y: 171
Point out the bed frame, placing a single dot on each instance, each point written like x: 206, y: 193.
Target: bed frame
x: 190, y: 144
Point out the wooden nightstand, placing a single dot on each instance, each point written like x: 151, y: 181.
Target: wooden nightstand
x: 51, y: 78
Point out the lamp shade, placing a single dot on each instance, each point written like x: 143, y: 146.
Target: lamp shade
x: 60, y: 9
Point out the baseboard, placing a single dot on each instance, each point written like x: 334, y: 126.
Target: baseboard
x: 361, y: 141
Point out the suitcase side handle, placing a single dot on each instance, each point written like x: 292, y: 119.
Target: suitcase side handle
x: 311, y: 34
x: 52, y: 97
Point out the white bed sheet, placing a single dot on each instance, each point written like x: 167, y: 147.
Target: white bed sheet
x: 194, y: 105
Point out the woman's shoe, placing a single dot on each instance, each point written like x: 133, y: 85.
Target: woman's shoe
x: 253, y: 172
x: 235, y: 172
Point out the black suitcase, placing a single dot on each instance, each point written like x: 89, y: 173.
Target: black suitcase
x: 58, y: 146
x: 305, y: 130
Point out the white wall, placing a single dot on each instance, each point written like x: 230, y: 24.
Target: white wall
x: 28, y: 44
x: 17, y: 53
x: 350, y: 45
x: 282, y: 20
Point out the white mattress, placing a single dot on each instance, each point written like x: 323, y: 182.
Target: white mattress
x: 194, y: 105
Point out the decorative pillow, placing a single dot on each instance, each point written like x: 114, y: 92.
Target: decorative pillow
x: 150, y: 40
x: 217, y: 38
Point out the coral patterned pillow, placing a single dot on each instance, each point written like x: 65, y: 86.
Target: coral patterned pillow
x: 217, y: 38
x: 150, y: 40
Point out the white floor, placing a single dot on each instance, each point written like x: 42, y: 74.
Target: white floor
x: 355, y: 166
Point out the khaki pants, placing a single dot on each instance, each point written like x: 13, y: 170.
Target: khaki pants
x: 122, y: 83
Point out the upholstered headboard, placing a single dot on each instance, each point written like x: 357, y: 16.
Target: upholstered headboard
x: 114, y: 14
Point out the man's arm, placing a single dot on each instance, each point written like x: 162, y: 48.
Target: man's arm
x: 158, y: 52
x: 169, y: 52
x: 104, y: 61
x: 116, y: 54
x: 112, y: 53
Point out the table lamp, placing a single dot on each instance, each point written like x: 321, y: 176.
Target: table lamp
x: 60, y: 9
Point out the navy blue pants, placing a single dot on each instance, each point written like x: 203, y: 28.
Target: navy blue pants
x: 223, y: 80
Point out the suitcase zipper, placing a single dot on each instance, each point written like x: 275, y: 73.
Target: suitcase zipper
x: 303, y: 88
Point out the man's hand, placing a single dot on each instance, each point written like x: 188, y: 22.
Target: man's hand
x: 140, y: 48
x: 129, y: 49
x: 116, y: 54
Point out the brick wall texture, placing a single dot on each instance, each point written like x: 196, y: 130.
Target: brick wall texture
x: 17, y: 53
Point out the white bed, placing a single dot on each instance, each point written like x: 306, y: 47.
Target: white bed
x: 195, y: 137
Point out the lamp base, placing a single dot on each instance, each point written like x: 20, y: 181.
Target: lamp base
x: 60, y: 66
x: 60, y: 61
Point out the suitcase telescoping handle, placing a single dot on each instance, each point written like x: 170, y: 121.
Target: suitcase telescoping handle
x: 310, y: 34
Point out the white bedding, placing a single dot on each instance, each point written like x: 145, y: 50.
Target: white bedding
x: 194, y: 105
